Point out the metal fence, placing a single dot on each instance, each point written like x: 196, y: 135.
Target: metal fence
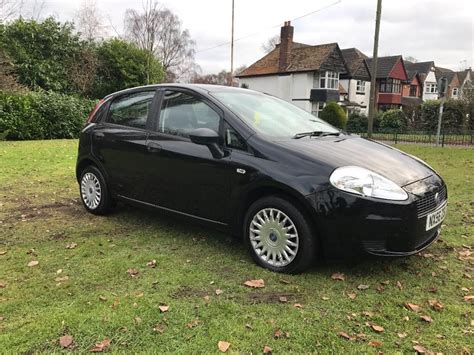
x: 422, y: 137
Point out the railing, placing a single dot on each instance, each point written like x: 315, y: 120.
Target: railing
x: 423, y: 137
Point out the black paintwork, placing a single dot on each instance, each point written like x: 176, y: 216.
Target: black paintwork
x: 159, y: 170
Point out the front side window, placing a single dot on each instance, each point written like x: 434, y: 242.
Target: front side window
x: 431, y: 88
x: 360, y: 87
x: 269, y: 115
x: 182, y: 113
x: 131, y: 110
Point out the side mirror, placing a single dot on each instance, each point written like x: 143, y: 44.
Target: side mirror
x: 208, y: 137
x: 204, y: 136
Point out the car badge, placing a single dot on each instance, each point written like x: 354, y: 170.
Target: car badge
x: 436, y: 197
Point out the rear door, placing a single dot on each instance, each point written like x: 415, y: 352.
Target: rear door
x: 119, y: 141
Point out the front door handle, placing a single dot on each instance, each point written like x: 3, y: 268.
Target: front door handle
x: 153, y: 147
x: 99, y: 136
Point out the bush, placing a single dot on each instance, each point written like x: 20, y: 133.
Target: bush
x: 42, y: 115
x: 357, y: 122
x: 334, y: 114
x: 453, y: 115
x: 393, y: 120
x: 429, y: 115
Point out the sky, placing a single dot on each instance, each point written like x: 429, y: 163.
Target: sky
x: 438, y: 30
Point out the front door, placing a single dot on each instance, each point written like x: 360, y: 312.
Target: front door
x: 183, y: 176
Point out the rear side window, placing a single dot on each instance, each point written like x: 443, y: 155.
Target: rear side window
x: 131, y: 110
x: 181, y: 113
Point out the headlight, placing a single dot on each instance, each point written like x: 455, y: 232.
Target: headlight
x: 364, y: 182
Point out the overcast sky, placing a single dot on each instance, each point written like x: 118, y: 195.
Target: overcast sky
x: 438, y: 30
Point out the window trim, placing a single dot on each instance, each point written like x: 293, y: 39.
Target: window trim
x: 325, y: 75
x: 156, y: 118
x: 362, y: 84
x: 105, y: 119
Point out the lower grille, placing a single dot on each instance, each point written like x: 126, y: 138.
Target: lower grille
x: 431, y: 201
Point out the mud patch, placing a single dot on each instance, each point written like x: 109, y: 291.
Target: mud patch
x: 189, y: 292
x: 271, y: 297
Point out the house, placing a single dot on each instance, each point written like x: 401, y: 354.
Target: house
x: 390, y: 75
x: 356, y: 82
x: 412, y: 90
x: 307, y: 76
x: 427, y: 74
x: 465, y: 78
x: 453, y: 90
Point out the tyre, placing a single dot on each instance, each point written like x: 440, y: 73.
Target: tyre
x: 279, y: 236
x: 94, y: 191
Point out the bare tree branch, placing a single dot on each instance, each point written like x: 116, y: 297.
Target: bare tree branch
x: 89, y: 21
x: 9, y: 9
x: 270, y: 44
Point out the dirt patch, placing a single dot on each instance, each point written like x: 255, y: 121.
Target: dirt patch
x: 272, y: 297
x: 27, y: 211
x: 189, y: 292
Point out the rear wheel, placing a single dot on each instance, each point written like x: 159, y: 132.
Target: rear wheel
x: 278, y: 235
x: 94, y: 192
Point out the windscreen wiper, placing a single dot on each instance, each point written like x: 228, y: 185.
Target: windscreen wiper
x: 315, y: 134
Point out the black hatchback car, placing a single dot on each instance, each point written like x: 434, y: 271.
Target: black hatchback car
x: 253, y: 165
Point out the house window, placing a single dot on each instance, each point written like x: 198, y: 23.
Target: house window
x: 327, y: 80
x: 317, y: 107
x: 413, y: 90
x: 431, y: 88
x: 455, y: 92
x: 360, y: 87
x: 390, y: 85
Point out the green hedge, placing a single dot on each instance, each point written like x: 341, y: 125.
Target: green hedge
x: 42, y: 115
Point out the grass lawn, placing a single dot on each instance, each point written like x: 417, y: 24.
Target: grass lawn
x: 92, y: 281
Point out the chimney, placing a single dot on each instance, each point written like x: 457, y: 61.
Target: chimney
x: 286, y: 44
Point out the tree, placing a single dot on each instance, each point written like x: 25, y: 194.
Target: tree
x: 124, y: 65
x: 41, y: 52
x: 334, y: 114
x: 270, y: 44
x: 89, y: 22
x: 8, y: 80
x: 411, y: 59
x: 9, y: 9
x: 393, y: 120
x: 159, y: 31
x: 467, y: 97
x: 83, y: 70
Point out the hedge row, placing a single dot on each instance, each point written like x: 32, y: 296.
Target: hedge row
x: 42, y: 115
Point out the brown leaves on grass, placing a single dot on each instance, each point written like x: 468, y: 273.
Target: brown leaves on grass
x: 346, y: 336
x: 223, y: 346
x: 412, y: 307
x: 469, y: 298
x: 193, y: 324
x: 298, y: 305
x: 255, y: 283
x: 375, y: 343
x: 71, y: 245
x: 66, y: 341
x: 164, y: 308
x: 426, y: 318
x: 419, y: 349
x: 267, y: 349
x: 99, y: 347
x: 159, y: 328
x: 363, y: 287
x: 338, y: 276
x: 33, y: 263
x: 283, y: 299
x: 151, y: 264
x: 280, y: 334
x: 377, y: 328
x: 3, y: 252
x: 436, y: 305
x: 219, y: 292
x: 133, y: 272
x: 464, y: 255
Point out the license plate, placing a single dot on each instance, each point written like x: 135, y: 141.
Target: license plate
x: 436, y: 217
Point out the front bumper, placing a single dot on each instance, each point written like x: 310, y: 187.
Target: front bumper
x: 349, y: 224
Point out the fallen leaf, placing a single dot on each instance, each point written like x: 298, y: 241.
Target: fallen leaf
x: 61, y: 279
x: 255, y: 283
x: 419, y: 349
x: 3, y: 252
x: 223, y: 346
x: 151, y: 264
x: 283, y: 299
x: 325, y: 298
x: 375, y: 343
x: 345, y: 336
x: 71, y: 245
x: 164, y: 308
x: 469, y: 298
x: 280, y: 334
x: 99, y: 347
x: 248, y: 326
x: 363, y: 287
x: 352, y: 296
x: 436, y: 305
x: 33, y: 263
x: 207, y: 299
x: 159, y: 329
x: 402, y: 335
x: 338, y: 276
x: 368, y: 314
x: 377, y: 328
x: 137, y: 320
x: 267, y: 349
x: 219, y: 292
x: 66, y: 341
x: 298, y: 305
x: 399, y: 285
x: 102, y: 298
x: 426, y: 318
x: 412, y: 307
x: 283, y: 281
x: 193, y: 324
x: 3, y: 285
x: 133, y: 272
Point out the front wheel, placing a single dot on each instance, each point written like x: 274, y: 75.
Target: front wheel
x: 278, y: 235
x: 94, y: 192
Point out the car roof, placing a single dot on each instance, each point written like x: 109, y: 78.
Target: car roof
x: 207, y: 88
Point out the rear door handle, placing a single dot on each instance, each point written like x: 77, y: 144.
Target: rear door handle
x: 153, y: 147
x: 99, y: 136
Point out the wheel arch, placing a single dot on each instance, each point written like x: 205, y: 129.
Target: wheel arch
x: 87, y: 161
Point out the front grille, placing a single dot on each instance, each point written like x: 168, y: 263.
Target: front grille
x: 428, y: 203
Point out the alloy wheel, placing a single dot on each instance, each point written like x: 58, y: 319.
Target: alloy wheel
x: 91, y: 191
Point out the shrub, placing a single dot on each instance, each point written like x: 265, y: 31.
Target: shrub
x: 334, y: 114
x: 453, y: 115
x: 429, y: 115
x: 42, y: 115
x: 357, y: 122
x: 393, y: 120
